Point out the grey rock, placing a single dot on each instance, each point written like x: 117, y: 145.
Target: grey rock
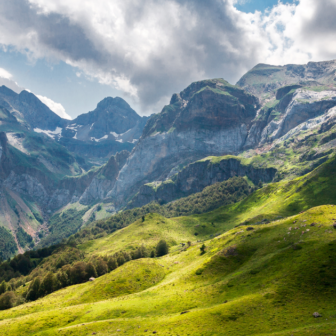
x: 27, y: 185
x: 304, y: 106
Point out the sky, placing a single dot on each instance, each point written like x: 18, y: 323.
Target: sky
x: 74, y: 53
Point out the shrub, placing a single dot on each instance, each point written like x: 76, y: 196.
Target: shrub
x: 112, y: 264
x: 3, y: 287
x: 7, y: 300
x: 162, y: 248
x: 121, y: 259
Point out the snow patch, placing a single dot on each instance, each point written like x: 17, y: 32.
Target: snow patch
x: 51, y: 134
x: 97, y: 140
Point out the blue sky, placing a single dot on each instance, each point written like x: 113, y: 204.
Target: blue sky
x: 259, y: 5
x: 57, y: 81
x: 146, y: 52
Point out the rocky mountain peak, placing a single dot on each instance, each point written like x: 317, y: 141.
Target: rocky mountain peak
x: 110, y: 102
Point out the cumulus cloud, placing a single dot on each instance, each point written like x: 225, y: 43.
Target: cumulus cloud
x: 55, y: 107
x: 5, y: 74
x: 152, y: 48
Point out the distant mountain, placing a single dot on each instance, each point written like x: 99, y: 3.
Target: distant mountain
x: 112, y: 127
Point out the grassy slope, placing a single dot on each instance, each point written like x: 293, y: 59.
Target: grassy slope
x: 271, y: 282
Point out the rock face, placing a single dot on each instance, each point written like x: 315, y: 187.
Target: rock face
x: 210, y: 117
x: 195, y: 177
x: 105, y: 179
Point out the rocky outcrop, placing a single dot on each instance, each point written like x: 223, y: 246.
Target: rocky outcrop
x: 196, y: 176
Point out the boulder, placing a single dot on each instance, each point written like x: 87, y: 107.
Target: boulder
x: 316, y: 314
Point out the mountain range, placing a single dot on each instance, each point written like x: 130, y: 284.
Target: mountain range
x: 264, y: 128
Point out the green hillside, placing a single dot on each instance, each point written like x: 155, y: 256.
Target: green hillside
x: 265, y: 281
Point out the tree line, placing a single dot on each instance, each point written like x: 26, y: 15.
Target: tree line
x: 71, y: 274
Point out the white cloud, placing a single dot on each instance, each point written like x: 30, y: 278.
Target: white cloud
x: 55, y: 107
x: 152, y: 48
x: 5, y: 74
